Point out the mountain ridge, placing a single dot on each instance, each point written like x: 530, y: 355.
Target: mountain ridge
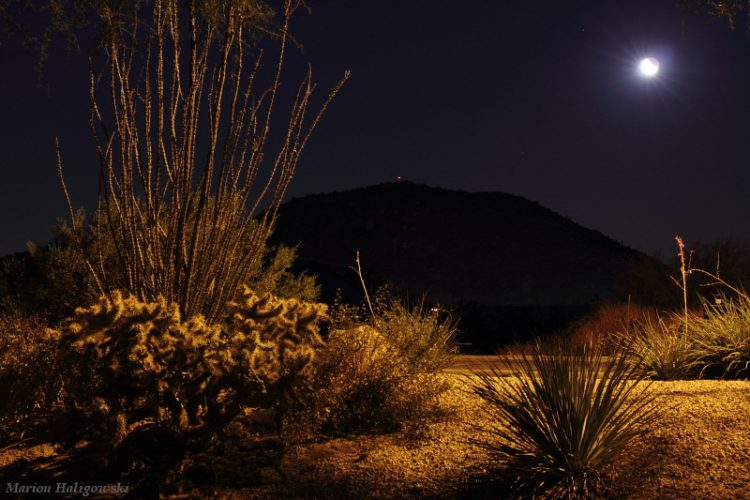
x: 490, y: 248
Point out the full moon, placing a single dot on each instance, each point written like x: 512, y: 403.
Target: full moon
x: 649, y: 66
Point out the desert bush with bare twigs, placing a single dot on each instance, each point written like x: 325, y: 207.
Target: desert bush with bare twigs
x: 381, y: 373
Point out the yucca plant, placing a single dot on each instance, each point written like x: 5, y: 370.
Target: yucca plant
x: 565, y: 414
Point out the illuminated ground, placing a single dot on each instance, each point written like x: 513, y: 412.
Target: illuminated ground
x: 486, y: 364
x: 701, y: 449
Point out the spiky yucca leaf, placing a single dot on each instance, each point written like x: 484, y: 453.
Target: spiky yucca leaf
x: 563, y: 415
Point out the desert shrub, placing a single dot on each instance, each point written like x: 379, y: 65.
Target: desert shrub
x: 358, y: 381
x: 720, y: 344
x: 425, y: 336
x: 604, y: 327
x: 29, y: 369
x: 565, y: 414
x: 53, y: 280
x: 140, y: 365
x: 663, y: 349
x: 274, y: 274
x: 383, y: 374
x: 11, y: 271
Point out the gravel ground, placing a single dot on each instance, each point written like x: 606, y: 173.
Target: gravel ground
x: 701, y: 449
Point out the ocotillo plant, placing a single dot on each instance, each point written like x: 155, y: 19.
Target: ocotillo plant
x: 183, y: 130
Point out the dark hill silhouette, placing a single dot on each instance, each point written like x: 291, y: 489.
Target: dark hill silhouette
x: 492, y: 250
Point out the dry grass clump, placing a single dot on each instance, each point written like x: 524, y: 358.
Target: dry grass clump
x: 715, y: 344
x: 565, y: 414
x: 382, y: 374
x: 663, y: 349
x: 721, y: 345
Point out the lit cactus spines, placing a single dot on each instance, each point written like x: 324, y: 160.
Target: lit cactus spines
x: 286, y: 332
x: 141, y: 362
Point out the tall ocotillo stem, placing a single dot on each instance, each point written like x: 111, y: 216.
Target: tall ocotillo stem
x: 183, y: 136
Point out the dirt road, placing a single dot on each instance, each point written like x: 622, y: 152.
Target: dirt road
x: 470, y: 364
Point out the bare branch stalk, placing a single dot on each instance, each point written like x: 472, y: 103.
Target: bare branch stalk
x: 683, y: 274
x: 358, y: 270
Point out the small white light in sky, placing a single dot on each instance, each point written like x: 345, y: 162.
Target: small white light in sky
x: 649, y: 66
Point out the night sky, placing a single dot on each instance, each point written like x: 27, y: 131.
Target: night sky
x: 539, y: 99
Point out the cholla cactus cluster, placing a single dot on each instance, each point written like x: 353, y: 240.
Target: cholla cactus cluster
x: 140, y: 363
x: 283, y: 334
